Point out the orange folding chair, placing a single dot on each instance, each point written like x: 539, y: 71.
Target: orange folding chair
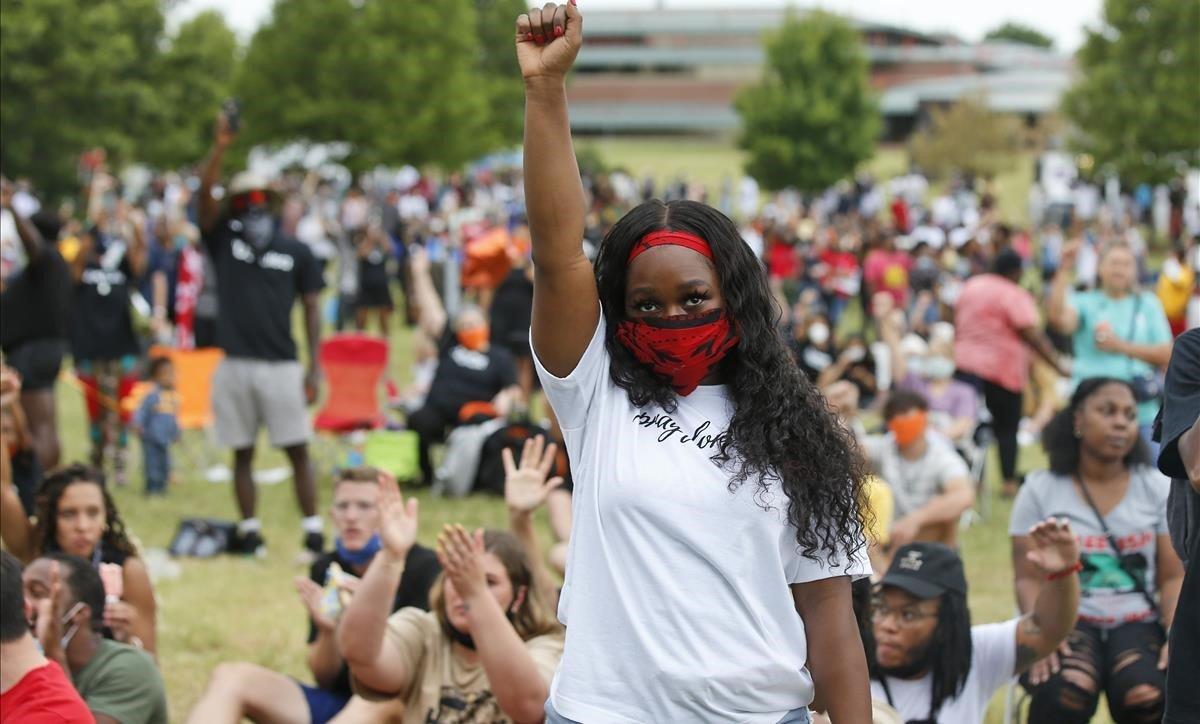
x: 353, y: 366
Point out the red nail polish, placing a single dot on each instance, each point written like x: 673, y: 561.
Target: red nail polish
x: 558, y: 32
x: 539, y: 39
x: 529, y: 36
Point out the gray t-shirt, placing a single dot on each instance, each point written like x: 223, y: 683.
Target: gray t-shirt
x: 914, y: 482
x: 1109, y: 597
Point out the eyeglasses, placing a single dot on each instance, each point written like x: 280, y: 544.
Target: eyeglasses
x: 360, y: 507
x: 906, y: 616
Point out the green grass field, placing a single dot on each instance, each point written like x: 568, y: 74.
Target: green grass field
x: 246, y: 609
x: 711, y: 160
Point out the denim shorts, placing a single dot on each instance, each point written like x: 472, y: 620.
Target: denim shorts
x: 795, y: 716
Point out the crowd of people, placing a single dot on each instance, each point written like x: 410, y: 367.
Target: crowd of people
x: 758, y: 431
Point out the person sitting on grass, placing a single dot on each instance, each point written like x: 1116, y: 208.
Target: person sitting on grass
x: 18, y: 443
x: 1100, y: 478
x: 76, y: 515
x: 930, y: 483
x: 486, y: 652
x: 928, y: 661
x: 157, y: 424
x: 244, y: 690
x: 119, y: 683
x: 32, y: 687
x: 469, y: 369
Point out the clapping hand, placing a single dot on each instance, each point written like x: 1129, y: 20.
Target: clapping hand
x: 461, y: 554
x: 525, y: 483
x: 397, y: 519
x: 310, y: 596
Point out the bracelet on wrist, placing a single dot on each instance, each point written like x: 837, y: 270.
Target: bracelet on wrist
x: 1068, y: 571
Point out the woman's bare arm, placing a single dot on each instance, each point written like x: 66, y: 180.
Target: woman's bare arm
x: 566, y: 306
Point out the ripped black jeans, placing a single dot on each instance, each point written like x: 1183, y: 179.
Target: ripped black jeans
x: 1121, y: 663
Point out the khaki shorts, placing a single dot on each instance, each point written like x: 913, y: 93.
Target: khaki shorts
x: 250, y: 393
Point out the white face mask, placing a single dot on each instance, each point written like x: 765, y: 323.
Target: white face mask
x: 818, y: 333
x: 939, y: 368
x: 70, y: 634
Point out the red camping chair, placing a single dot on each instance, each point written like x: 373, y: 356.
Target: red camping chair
x: 353, y: 365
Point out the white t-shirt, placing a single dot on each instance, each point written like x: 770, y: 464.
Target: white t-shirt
x: 993, y: 656
x: 676, y: 597
x: 914, y: 482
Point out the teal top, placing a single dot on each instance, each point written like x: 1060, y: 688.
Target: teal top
x: 1149, y: 327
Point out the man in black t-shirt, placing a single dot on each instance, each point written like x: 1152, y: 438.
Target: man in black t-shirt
x: 470, y: 370
x: 1179, y: 432
x: 33, y: 323
x: 260, y: 275
x: 239, y: 690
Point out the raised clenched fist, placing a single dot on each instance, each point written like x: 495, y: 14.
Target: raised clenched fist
x: 548, y: 39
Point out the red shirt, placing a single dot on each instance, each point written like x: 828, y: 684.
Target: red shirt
x: 43, y: 696
x: 781, y: 261
x: 843, y: 277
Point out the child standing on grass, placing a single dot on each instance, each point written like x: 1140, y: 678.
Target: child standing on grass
x: 157, y: 425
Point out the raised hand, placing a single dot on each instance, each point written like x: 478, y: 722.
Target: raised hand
x: 397, y: 519
x: 224, y: 135
x: 1053, y: 546
x: 548, y: 39
x: 49, y: 625
x: 525, y: 484
x: 461, y: 556
x: 119, y: 617
x: 1070, y: 253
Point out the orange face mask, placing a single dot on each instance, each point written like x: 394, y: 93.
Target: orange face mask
x: 909, y: 427
x: 474, y: 338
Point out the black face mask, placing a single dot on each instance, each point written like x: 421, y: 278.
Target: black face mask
x: 258, y: 228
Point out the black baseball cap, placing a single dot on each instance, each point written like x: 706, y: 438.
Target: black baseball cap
x: 926, y: 570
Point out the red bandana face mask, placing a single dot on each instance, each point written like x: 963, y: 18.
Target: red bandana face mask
x: 684, y: 348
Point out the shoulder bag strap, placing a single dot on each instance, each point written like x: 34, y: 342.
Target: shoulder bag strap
x: 1139, y: 584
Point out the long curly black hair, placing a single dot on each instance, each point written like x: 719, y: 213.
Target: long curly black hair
x: 1059, y: 440
x: 45, y: 536
x: 781, y: 427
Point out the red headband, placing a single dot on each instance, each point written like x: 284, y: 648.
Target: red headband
x: 671, y: 238
x: 243, y: 201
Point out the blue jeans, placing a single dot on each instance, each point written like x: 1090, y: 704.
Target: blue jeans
x: 156, y: 464
x: 795, y: 716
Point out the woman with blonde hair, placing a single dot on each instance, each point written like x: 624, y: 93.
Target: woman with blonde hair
x: 486, y: 650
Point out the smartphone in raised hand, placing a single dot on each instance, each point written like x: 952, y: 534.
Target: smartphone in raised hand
x: 232, y: 109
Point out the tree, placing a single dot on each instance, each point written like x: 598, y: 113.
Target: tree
x: 1019, y: 33
x: 967, y: 137
x: 193, y: 75
x: 811, y: 119
x: 499, y: 68
x: 1136, y: 103
x: 75, y: 74
x: 399, y: 81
